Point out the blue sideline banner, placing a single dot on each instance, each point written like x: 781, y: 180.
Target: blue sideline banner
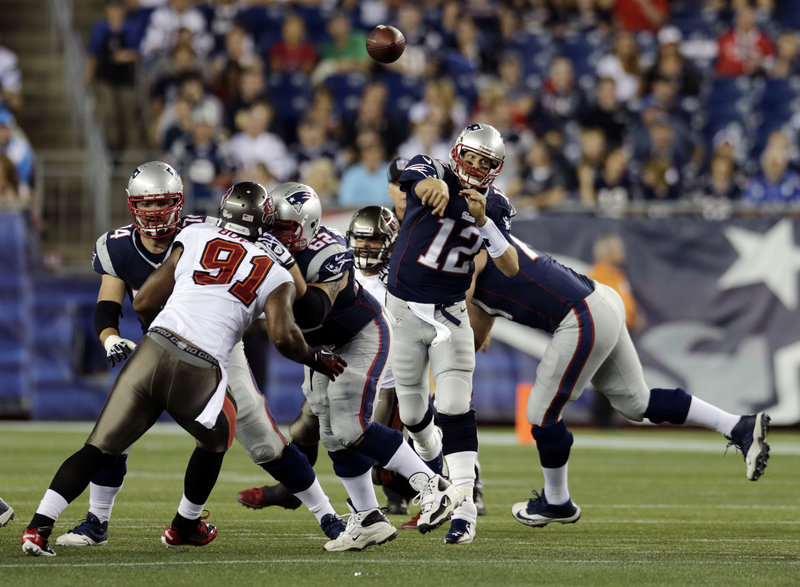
x: 720, y: 300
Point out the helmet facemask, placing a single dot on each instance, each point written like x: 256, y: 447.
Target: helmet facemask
x: 379, y: 227
x: 159, y: 222
x: 485, y: 141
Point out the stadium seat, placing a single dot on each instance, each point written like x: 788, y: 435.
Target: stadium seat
x: 346, y: 89
x: 290, y: 95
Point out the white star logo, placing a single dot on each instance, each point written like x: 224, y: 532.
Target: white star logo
x: 772, y: 258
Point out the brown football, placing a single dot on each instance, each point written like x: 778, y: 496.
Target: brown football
x: 385, y: 44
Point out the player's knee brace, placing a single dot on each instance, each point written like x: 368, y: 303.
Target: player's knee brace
x: 454, y: 392
x: 291, y: 469
x: 460, y: 432
x: 553, y: 443
x: 349, y: 463
x: 305, y: 428
x: 380, y: 443
x: 113, y: 472
x: 668, y: 405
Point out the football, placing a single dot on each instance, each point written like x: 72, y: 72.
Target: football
x: 385, y: 44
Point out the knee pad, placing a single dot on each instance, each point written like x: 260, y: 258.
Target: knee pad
x: 454, y: 392
x: 113, y: 473
x: 349, y: 464
x: 460, y: 433
x: 668, y: 405
x: 412, y: 406
x: 305, y: 428
x: 553, y: 443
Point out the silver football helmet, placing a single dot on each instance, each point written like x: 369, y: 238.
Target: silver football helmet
x: 374, y: 223
x: 298, y: 214
x: 159, y: 187
x: 247, y: 209
x: 484, y: 140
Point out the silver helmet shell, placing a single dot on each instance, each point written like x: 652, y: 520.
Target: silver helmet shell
x: 373, y: 222
x: 298, y: 214
x: 484, y: 140
x: 247, y: 209
x: 155, y: 182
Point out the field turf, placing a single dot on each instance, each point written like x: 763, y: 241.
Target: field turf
x: 660, y: 507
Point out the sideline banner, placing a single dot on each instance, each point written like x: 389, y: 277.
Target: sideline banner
x: 720, y: 300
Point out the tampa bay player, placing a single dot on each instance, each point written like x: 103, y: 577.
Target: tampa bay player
x: 196, y: 305
x: 338, y: 313
x: 452, y: 213
x: 590, y: 344
x: 125, y: 257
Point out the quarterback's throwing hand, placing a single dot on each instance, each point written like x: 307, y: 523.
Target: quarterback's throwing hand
x: 476, y: 203
x: 118, y: 349
x: 326, y: 362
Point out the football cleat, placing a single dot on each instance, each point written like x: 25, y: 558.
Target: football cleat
x: 269, y: 495
x: 750, y: 436
x: 34, y: 544
x: 6, y: 513
x: 363, y: 529
x: 332, y: 525
x: 90, y: 532
x: 537, y: 512
x: 396, y: 505
x: 477, y: 497
x: 461, y: 532
x: 412, y: 523
x: 202, y: 534
x: 437, y: 498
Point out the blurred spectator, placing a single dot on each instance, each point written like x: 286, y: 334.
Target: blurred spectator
x: 313, y: 144
x: 512, y: 75
x: 371, y: 116
x: 465, y: 56
x: 165, y: 23
x: 14, y: 145
x: 787, y: 60
x: 292, y: 52
x: 258, y: 173
x: 613, y: 189
x: 191, y: 88
x: 365, y: 182
x: 111, y: 69
x: 426, y: 137
x: 609, y: 260
x: 641, y: 15
x: 345, y: 51
x: 201, y: 162
x: 720, y: 182
x: 560, y: 99
x: 223, y: 21
x: 237, y: 55
x: 590, y: 166
x: 255, y: 144
x: 10, y: 196
x: 321, y: 175
x: 776, y: 183
x: 744, y: 50
x: 671, y: 64
x: 623, y: 65
x: 543, y: 183
x: 440, y: 102
x: 606, y: 113
x: 660, y: 180
x: 252, y: 88
x: 10, y: 81
x: 323, y: 110
x: 166, y: 76
x: 422, y: 42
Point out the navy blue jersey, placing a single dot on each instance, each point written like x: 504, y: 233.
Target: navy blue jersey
x: 120, y: 253
x: 327, y: 258
x: 433, y: 257
x: 540, y: 295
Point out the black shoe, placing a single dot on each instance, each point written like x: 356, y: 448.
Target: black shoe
x: 749, y: 436
x: 262, y: 497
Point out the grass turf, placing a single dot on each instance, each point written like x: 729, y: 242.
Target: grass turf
x: 660, y: 507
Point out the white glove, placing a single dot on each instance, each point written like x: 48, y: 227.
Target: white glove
x: 118, y: 349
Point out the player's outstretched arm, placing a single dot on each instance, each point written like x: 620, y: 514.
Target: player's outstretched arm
x: 156, y: 290
x: 433, y: 192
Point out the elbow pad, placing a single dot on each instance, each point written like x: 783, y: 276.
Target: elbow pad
x: 310, y: 310
x: 106, y: 315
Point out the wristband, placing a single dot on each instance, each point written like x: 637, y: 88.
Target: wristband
x: 493, y: 239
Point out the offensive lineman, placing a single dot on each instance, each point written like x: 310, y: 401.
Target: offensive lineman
x: 197, y: 305
x: 125, y: 257
x: 452, y: 212
x: 590, y: 344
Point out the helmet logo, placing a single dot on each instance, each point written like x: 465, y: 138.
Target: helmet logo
x: 297, y: 199
x: 474, y: 127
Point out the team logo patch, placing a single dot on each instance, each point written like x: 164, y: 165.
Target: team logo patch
x: 297, y: 199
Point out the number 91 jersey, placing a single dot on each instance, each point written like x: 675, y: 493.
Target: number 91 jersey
x: 222, y: 282
x: 432, y: 258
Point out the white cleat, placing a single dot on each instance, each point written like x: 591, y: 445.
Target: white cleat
x: 437, y: 498
x: 363, y: 529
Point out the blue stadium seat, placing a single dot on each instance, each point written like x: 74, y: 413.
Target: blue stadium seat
x: 346, y: 89
x: 403, y: 91
x: 290, y: 94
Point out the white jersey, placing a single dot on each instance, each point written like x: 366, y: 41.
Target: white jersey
x: 222, y: 282
x: 375, y: 286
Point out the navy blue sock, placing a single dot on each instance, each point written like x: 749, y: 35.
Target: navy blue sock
x: 460, y: 433
x: 292, y: 469
x: 379, y: 443
x: 668, y: 405
x: 553, y: 443
x: 349, y: 463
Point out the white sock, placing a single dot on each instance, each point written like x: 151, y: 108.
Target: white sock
x: 52, y: 504
x: 189, y: 510
x: 427, y: 442
x: 462, y: 469
x: 361, y: 491
x: 555, y: 485
x: 316, y: 501
x: 704, y: 414
x: 406, y: 462
x: 467, y: 511
x: 101, y: 500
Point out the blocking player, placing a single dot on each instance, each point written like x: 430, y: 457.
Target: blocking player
x: 125, y: 257
x: 338, y: 313
x: 590, y: 344
x: 197, y: 304
x: 451, y: 214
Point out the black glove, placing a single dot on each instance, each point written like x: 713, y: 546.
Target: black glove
x: 325, y: 362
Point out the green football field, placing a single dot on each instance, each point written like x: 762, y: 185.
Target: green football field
x: 660, y: 507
